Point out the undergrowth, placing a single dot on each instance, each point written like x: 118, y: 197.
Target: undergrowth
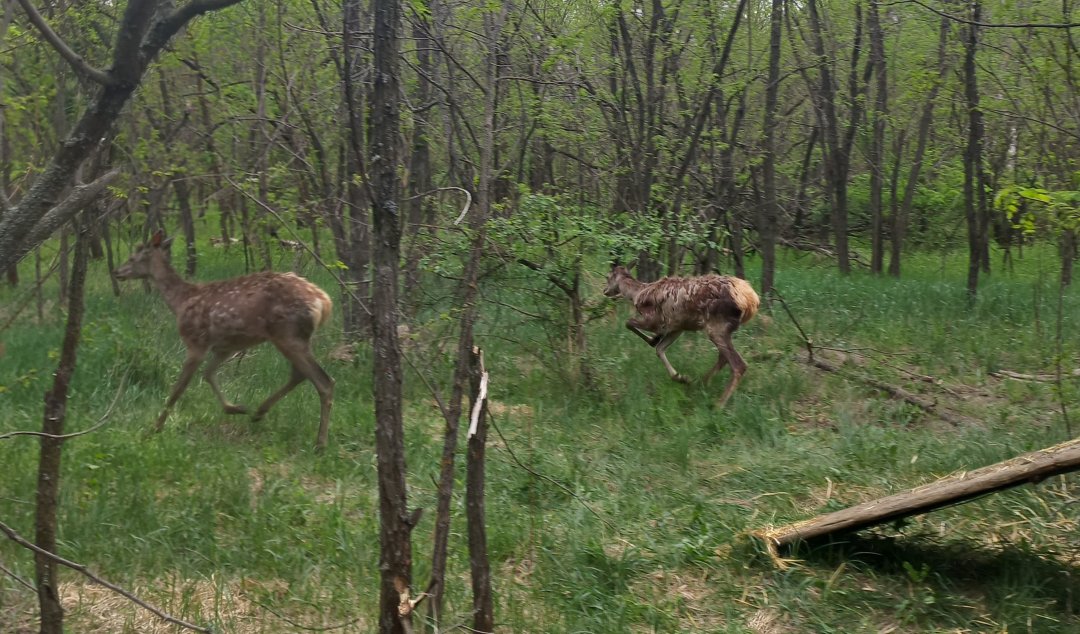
x: 621, y: 503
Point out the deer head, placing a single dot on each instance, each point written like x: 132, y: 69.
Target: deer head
x: 138, y: 265
x: 617, y: 275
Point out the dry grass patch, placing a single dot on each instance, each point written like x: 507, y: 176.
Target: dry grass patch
x: 687, y: 595
x: 239, y: 606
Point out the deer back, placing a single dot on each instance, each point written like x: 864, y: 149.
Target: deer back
x: 686, y: 303
x: 240, y: 312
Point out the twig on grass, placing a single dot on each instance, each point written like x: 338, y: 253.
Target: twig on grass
x: 807, y: 341
x: 1041, y: 378
x: 562, y: 486
x: 82, y: 569
x: 306, y: 628
x: 101, y: 421
x: 893, y: 391
x: 4, y: 569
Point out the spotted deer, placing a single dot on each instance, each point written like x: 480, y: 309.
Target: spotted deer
x: 717, y: 304
x: 223, y: 318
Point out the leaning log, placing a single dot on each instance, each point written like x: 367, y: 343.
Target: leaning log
x: 959, y: 487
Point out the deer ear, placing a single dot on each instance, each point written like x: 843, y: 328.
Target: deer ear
x: 155, y: 240
x: 166, y: 243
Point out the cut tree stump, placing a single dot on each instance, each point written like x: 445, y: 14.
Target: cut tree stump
x: 960, y: 487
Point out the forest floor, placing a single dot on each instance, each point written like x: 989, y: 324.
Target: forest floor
x: 617, y: 500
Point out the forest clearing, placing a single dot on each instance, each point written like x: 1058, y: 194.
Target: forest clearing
x: 539, y: 316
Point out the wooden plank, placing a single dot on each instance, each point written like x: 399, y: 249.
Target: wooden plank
x: 954, y: 489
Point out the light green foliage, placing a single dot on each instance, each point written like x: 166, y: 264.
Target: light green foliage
x: 1057, y: 210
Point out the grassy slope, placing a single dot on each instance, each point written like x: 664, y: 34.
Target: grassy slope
x: 220, y: 519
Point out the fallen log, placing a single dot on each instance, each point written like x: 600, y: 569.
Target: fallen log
x: 957, y: 488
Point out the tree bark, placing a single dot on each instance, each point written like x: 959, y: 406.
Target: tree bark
x: 877, y: 141
x: 395, y: 524
x: 835, y: 160
x: 48, y: 488
x: 769, y: 214
x: 974, y: 179
x: 419, y: 208
x: 479, y: 564
x: 351, y: 234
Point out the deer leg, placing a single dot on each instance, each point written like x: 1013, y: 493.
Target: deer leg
x: 296, y: 379
x: 661, y: 351
x: 191, y: 363
x: 652, y: 341
x: 305, y: 367
x: 721, y: 336
x: 210, y: 376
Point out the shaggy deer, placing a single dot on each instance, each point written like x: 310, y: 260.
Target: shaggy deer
x: 717, y: 304
x: 226, y: 317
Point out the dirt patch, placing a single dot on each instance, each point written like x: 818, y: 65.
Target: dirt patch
x: 321, y: 490
x: 696, y: 600
x: 518, y: 410
x: 767, y: 621
x: 243, y: 606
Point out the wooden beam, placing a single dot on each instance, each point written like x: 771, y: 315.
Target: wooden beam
x: 953, y: 489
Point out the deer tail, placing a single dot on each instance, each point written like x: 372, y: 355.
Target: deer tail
x: 321, y: 306
x: 746, y: 298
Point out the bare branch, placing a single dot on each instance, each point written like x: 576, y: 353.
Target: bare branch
x: 80, y: 568
x: 166, y: 27
x: 77, y: 62
x: 4, y: 569
x: 991, y: 25
x: 307, y: 628
x: 56, y: 217
x: 101, y: 421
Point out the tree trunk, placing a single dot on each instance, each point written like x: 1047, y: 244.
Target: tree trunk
x: 900, y: 220
x: 395, y: 525
x: 877, y: 141
x: 469, y: 296
x: 835, y: 161
x: 769, y: 214
x: 351, y: 235
x: 419, y: 208
x: 479, y: 565
x: 974, y: 193
x: 48, y: 488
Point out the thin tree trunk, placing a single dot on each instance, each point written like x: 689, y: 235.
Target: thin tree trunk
x: 877, y: 142
x: 395, y: 524
x: 769, y: 214
x: 469, y: 295
x: 352, y: 236
x: 974, y: 196
x: 48, y: 488
x: 900, y: 220
x: 419, y: 206
x: 835, y: 162
x: 479, y: 565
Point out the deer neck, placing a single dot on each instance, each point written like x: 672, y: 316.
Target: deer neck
x: 172, y: 287
x: 629, y: 287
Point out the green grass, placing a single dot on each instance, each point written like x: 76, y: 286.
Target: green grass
x: 640, y: 522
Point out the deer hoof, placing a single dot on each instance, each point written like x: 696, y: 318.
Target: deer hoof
x: 235, y: 409
x: 257, y: 416
x: 685, y: 380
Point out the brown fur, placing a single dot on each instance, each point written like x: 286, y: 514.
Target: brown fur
x: 717, y: 304
x: 225, y: 317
